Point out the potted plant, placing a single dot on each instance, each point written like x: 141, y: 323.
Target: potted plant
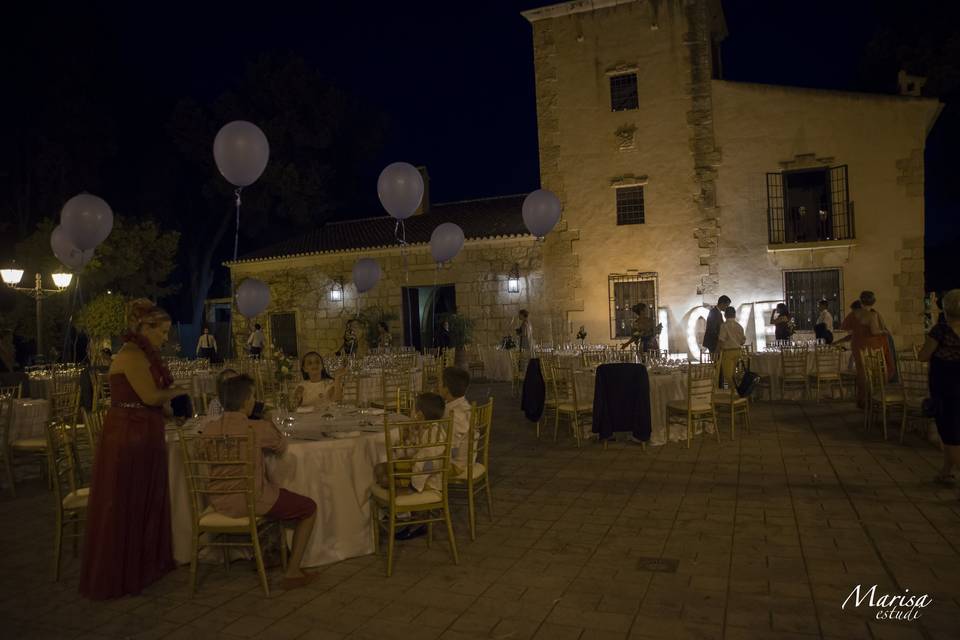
x: 461, y: 334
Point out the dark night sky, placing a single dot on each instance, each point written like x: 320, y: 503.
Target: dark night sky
x: 455, y: 78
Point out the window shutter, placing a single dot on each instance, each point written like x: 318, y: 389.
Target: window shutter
x: 776, y: 204
x: 840, y: 204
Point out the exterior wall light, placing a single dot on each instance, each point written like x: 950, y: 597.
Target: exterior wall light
x: 336, y: 293
x: 513, y: 280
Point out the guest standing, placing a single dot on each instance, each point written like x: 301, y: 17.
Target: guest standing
x: 823, y: 329
x: 645, y: 330
x: 867, y: 331
x: 256, y: 341
x: 443, y: 341
x: 782, y: 323
x: 207, y: 346
x: 711, y: 337
x: 730, y: 340
x: 318, y: 388
x: 525, y: 334
x: 127, y: 543
x: 942, y: 351
x: 350, y: 340
x: 384, y: 339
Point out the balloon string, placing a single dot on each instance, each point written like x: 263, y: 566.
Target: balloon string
x: 236, y: 235
x: 400, y: 232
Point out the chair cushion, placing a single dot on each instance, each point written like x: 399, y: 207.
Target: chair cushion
x: 76, y: 499
x: 569, y: 408
x: 478, y: 472
x: 893, y: 396
x: 215, y: 519
x: 428, y: 496
x: 681, y: 406
x: 724, y: 398
x: 30, y: 444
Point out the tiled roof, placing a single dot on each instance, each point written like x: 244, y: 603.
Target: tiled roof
x: 499, y: 217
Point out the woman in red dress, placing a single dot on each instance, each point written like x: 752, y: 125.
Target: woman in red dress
x: 867, y: 331
x: 128, y: 541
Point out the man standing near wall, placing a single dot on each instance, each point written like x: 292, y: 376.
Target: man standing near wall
x: 711, y: 337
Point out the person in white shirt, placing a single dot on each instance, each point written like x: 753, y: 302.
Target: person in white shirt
x: 525, y: 334
x: 730, y: 340
x: 256, y: 341
x: 207, y: 345
x: 823, y: 329
x: 454, y: 388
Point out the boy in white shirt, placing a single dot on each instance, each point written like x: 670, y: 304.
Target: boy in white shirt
x: 729, y: 342
x: 454, y: 388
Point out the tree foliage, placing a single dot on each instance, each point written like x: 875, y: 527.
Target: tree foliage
x: 104, y: 316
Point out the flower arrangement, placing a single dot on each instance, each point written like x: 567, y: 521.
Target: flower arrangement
x: 508, y: 343
x: 283, y: 366
x: 582, y: 334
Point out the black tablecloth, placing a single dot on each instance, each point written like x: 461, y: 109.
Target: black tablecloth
x: 621, y: 400
x: 534, y: 391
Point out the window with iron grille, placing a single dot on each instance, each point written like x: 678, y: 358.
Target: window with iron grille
x: 810, y: 205
x: 623, y: 92
x: 630, y: 205
x: 283, y: 333
x: 803, y: 290
x: 626, y: 290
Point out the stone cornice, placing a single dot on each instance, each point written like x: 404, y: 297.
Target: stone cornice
x: 570, y: 8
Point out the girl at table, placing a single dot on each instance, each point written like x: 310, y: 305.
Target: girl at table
x: 127, y: 544
x: 271, y: 501
x: 318, y: 388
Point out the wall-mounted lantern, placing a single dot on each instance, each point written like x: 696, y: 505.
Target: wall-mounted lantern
x: 513, y: 280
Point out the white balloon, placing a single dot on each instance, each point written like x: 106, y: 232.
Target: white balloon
x: 66, y: 252
x: 446, y: 241
x: 541, y: 212
x: 400, y: 188
x: 241, y: 151
x: 253, y: 297
x: 366, y: 274
x: 87, y: 220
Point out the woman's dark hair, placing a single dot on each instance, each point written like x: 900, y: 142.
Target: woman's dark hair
x: 235, y: 391
x: 639, y: 308
x: 823, y: 302
x: 324, y: 374
x: 782, y: 308
x: 868, y: 298
x: 257, y: 327
x: 384, y: 326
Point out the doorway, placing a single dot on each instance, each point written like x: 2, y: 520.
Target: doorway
x: 422, y: 309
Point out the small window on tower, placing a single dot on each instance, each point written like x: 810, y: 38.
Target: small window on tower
x: 630, y: 205
x: 623, y: 92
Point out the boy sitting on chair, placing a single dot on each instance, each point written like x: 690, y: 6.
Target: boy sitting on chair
x: 271, y: 501
x: 456, y: 381
x: 430, y: 406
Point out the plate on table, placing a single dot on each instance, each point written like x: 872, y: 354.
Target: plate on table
x: 304, y: 409
x: 374, y: 412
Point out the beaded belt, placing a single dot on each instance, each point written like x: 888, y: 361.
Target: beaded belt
x: 128, y: 405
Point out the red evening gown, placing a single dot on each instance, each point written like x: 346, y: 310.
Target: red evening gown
x: 128, y: 540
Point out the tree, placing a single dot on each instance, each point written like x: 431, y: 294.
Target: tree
x: 104, y: 317
x: 320, y: 138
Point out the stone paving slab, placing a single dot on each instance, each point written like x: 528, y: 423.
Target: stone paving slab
x: 770, y: 533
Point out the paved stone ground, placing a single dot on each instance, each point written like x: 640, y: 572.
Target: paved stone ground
x: 770, y: 532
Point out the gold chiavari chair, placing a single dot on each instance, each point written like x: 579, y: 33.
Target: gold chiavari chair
x: 727, y: 402
x: 547, y: 369
x: 698, y: 405
x: 475, y: 363
x: 350, y: 384
x: 13, y: 391
x: 476, y: 478
x: 882, y: 395
x: 914, y: 376
x: 101, y: 389
x: 793, y: 370
x: 432, y: 376
x: 414, y: 448
x: 406, y: 402
x: 6, y: 421
x: 826, y: 361
x: 218, y: 466
x: 518, y: 375
x: 391, y: 382
x: 569, y: 405
x: 448, y: 356
x: 69, y: 496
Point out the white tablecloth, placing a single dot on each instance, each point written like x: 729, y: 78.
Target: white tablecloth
x: 768, y: 364
x: 497, y: 364
x: 335, y: 472
x: 664, y: 388
x: 29, y: 419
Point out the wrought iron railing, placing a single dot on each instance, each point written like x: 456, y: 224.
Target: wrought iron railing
x: 832, y: 219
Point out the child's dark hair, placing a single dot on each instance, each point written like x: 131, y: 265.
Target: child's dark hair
x: 222, y: 377
x: 234, y: 392
x: 456, y: 380
x: 730, y: 312
x: 823, y: 302
x: 431, y: 405
x: 324, y: 374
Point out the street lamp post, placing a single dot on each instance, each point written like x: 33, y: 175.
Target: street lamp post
x: 11, y: 277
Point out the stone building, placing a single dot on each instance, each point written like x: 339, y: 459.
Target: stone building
x: 677, y: 187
